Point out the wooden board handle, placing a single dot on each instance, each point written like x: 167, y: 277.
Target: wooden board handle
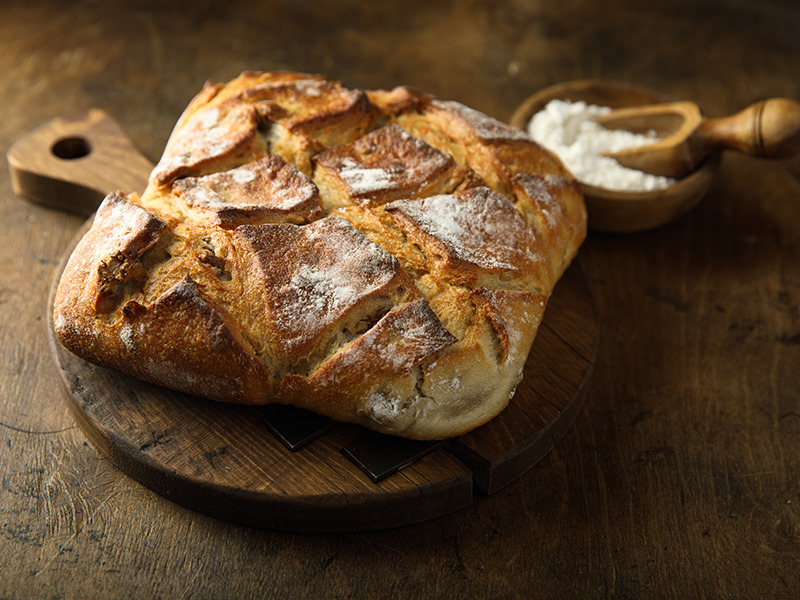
x: 769, y: 129
x: 72, y: 162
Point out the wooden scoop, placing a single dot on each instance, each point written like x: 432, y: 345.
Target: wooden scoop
x: 768, y: 129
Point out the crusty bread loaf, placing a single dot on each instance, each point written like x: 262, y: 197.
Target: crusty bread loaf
x: 381, y: 257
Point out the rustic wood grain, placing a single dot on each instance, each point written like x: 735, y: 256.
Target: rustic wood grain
x: 679, y: 476
x: 72, y: 161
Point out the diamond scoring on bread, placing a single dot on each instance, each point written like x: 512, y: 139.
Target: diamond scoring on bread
x: 381, y: 257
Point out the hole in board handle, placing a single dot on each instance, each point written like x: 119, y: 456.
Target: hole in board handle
x: 70, y: 148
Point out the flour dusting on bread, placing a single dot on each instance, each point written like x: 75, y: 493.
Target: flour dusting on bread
x: 382, y: 257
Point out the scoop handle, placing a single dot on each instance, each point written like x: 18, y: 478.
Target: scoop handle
x: 769, y: 129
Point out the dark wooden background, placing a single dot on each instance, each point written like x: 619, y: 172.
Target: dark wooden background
x: 681, y: 475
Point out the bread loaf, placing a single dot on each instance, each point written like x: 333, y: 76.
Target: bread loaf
x: 381, y: 257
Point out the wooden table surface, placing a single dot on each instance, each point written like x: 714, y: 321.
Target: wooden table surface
x: 680, y: 477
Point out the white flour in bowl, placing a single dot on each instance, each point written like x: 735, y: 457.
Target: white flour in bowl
x: 568, y: 129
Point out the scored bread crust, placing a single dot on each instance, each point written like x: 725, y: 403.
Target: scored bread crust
x: 381, y: 257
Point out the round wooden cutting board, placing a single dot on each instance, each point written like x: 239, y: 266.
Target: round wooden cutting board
x: 222, y: 460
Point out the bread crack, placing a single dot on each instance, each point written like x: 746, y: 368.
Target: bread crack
x: 125, y: 275
x: 207, y: 255
x: 354, y: 327
x: 120, y: 275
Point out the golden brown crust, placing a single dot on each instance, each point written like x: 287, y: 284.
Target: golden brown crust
x: 378, y: 366
x: 311, y: 280
x: 380, y: 257
x: 212, y: 135
x: 267, y: 190
x: 213, y: 359
x: 384, y: 165
x: 109, y: 259
x: 475, y: 237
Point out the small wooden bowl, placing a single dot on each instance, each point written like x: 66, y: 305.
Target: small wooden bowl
x: 619, y: 211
